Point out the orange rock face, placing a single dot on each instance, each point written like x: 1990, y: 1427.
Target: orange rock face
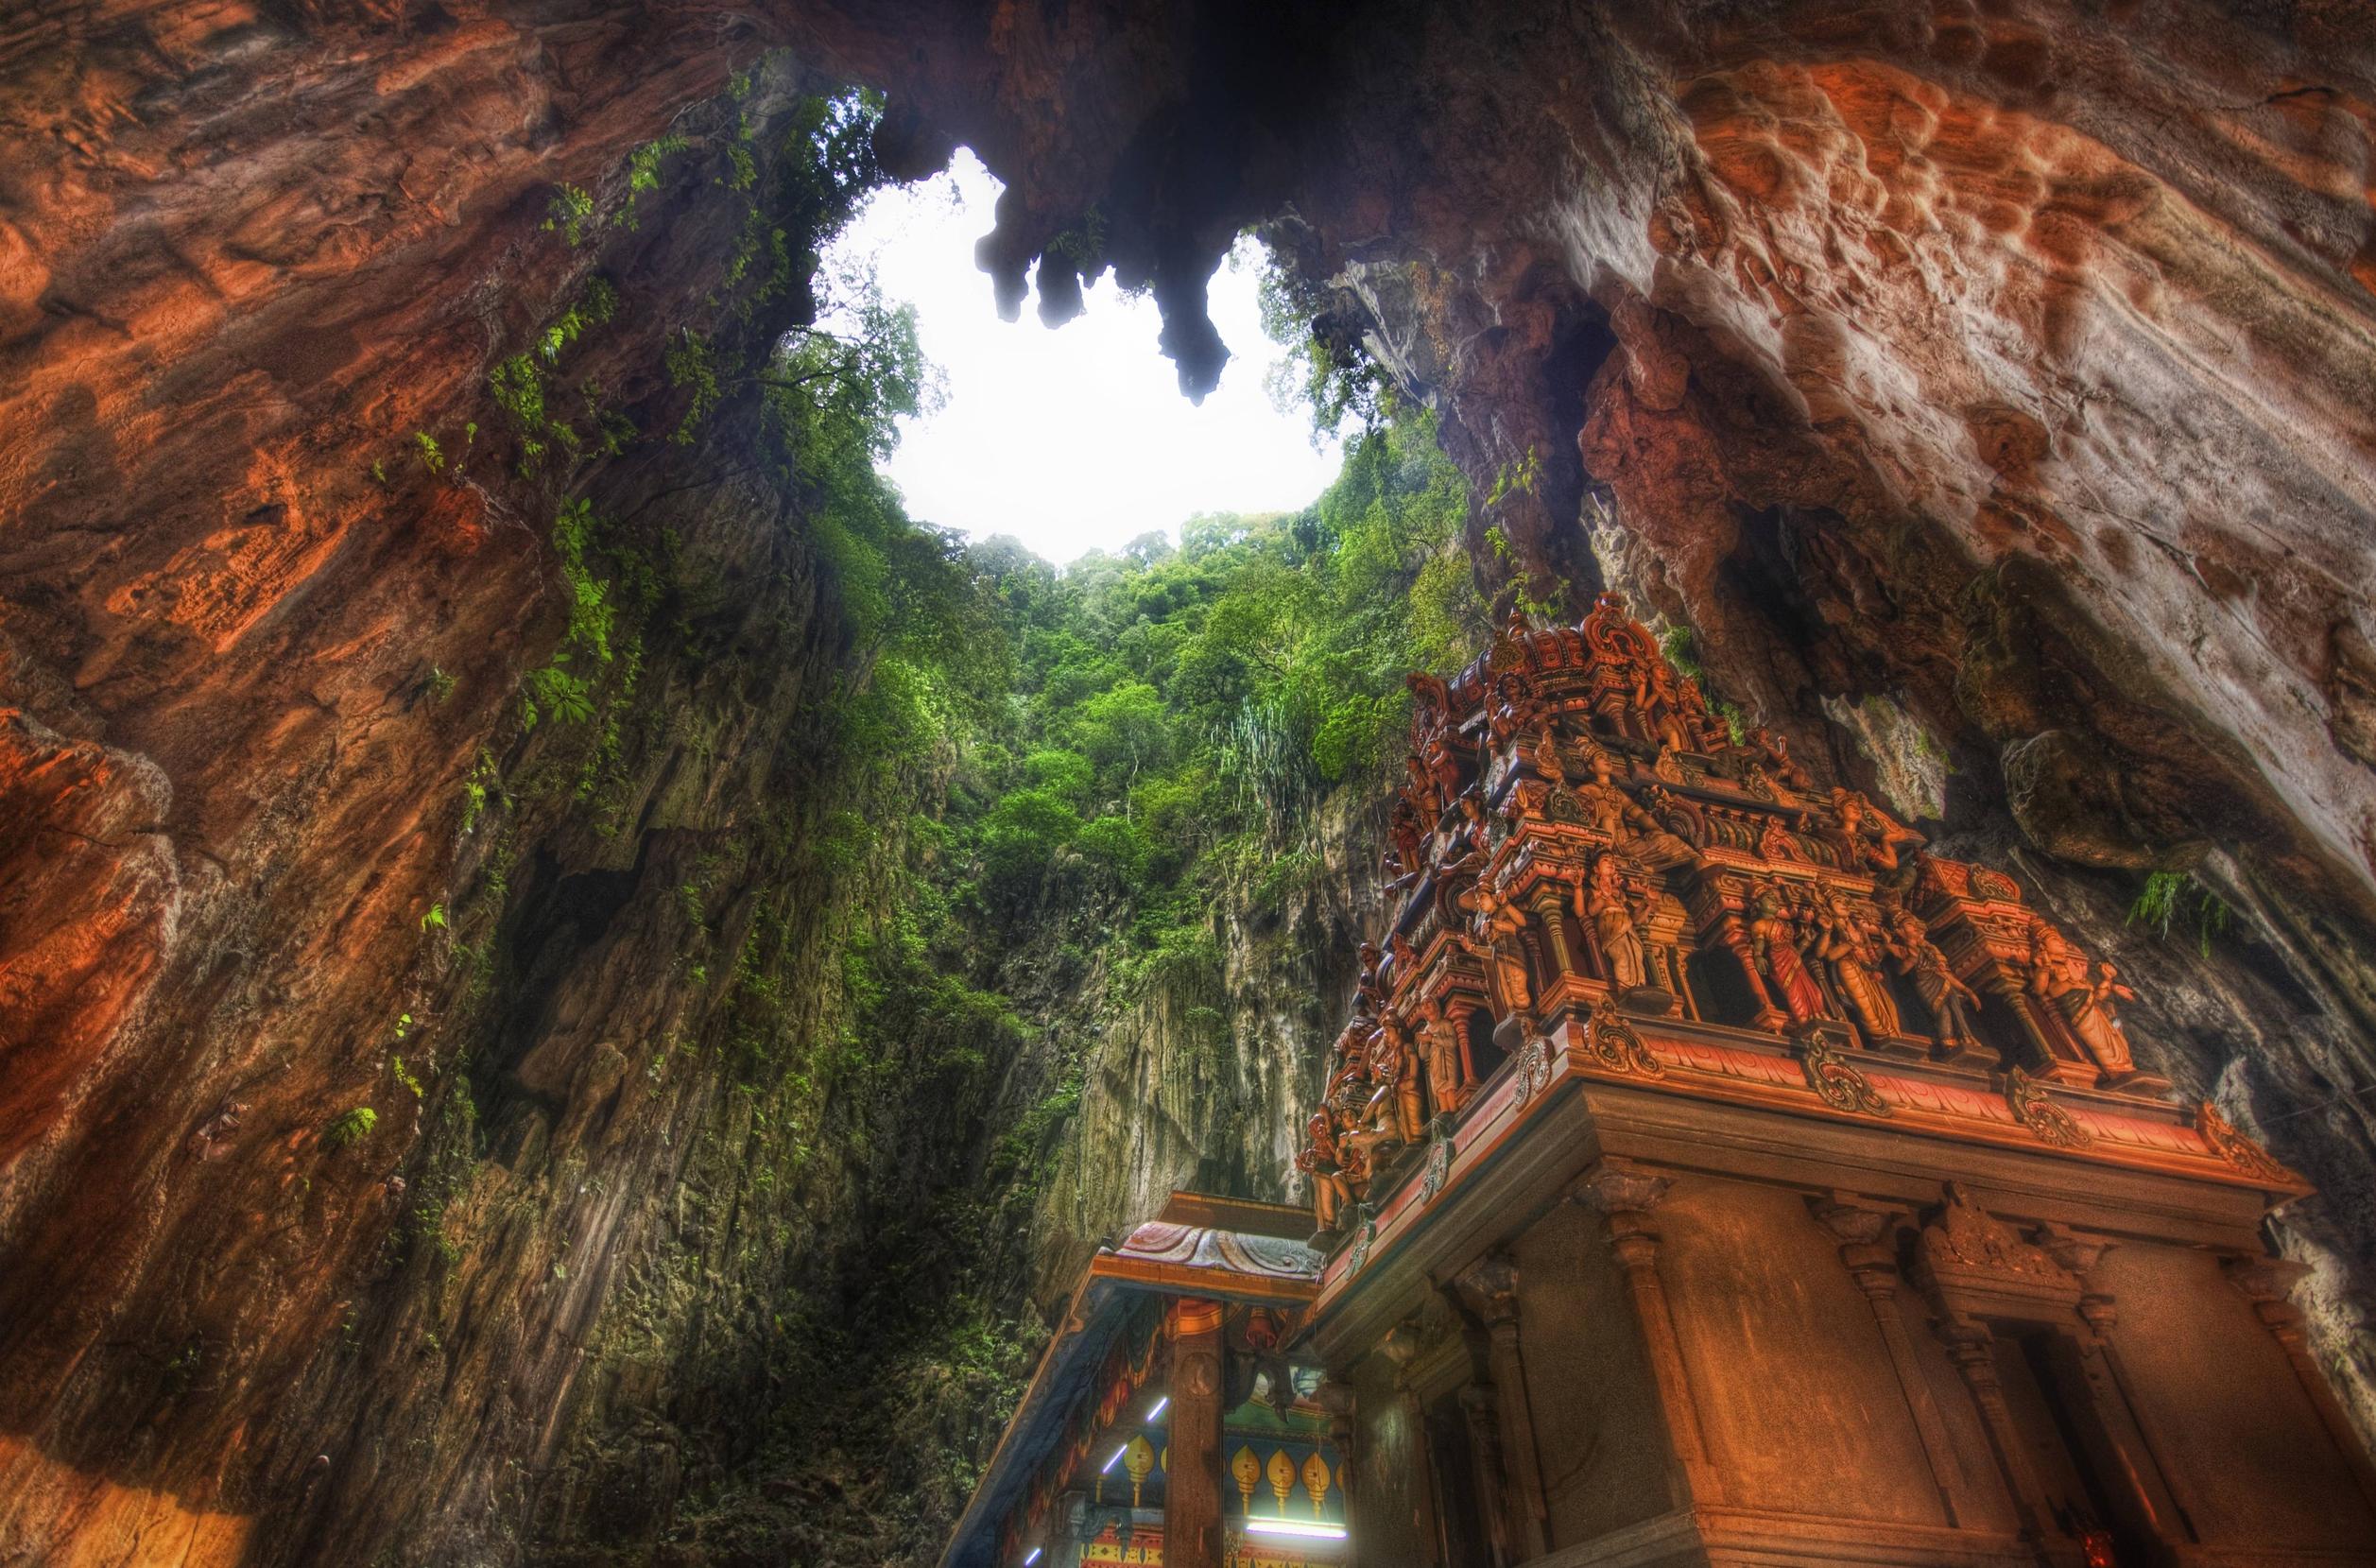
x: 2014, y: 363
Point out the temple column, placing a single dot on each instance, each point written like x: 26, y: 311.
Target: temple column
x: 2268, y: 1284
x: 2162, y: 1494
x: 1479, y: 1409
x: 1972, y: 1348
x: 1624, y: 1198
x: 1489, y: 1287
x: 1458, y: 1016
x: 1336, y: 1398
x: 1075, y: 1522
x: 1555, y: 937
x: 1402, y: 1349
x: 1191, y: 1484
x: 1874, y: 1268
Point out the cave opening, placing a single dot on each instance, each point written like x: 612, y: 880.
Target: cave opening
x: 635, y: 838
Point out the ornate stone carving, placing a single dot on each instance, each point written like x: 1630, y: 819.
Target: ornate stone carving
x: 1612, y: 1188
x: 1533, y: 1068
x: 1951, y: 1002
x: 1364, y: 1236
x: 1966, y: 1235
x: 2073, y: 1250
x: 1839, y: 1084
x: 1849, y: 945
x: 1989, y: 884
x: 1774, y: 940
x: 1490, y: 1288
x: 2234, y: 1147
x: 1610, y: 1043
x: 2081, y: 996
x: 1448, y: 1085
x: 1849, y: 1224
x: 1613, y: 904
x: 1439, y: 1170
x: 1324, y: 1163
x: 2035, y: 1110
x: 1584, y: 854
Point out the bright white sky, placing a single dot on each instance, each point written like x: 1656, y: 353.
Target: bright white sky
x: 1074, y: 439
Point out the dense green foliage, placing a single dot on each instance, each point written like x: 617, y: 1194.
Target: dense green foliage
x: 1071, y: 779
x: 2169, y: 899
x: 1005, y: 801
x: 1148, y: 727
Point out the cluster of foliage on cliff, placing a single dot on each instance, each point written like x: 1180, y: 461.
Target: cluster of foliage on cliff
x: 1150, y: 726
x: 1056, y: 785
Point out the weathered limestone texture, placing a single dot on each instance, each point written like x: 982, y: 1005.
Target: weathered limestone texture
x: 2014, y: 365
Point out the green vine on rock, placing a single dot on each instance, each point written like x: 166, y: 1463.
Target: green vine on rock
x: 571, y: 214
x: 642, y: 170
x: 350, y: 1127
x: 2169, y: 899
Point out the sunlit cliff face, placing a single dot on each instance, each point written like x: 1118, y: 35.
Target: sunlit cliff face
x: 2010, y: 366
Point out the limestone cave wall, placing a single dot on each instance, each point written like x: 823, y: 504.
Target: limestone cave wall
x: 1987, y: 390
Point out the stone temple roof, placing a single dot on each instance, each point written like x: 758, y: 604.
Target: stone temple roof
x: 1199, y: 1245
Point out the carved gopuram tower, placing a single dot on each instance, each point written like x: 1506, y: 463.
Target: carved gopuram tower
x: 1709, y: 1175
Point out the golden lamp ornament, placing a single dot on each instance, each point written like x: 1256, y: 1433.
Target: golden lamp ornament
x: 1139, y: 1459
x: 1315, y: 1480
x: 1283, y: 1475
x: 1246, y: 1470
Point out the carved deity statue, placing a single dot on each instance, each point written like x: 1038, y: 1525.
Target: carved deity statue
x: 1323, y: 1162
x: 1410, y: 837
x: 1851, y: 948
x: 1443, y: 766
x: 1660, y: 701
x: 1394, y: 1067
x: 1773, y: 940
x: 1514, y: 711
x: 1440, y: 1049
x: 1496, y: 942
x: 1474, y: 828
x: 1431, y: 704
x: 1550, y: 758
x: 1603, y: 898
x: 1869, y: 837
x: 1773, y: 752
x: 1951, y: 1002
x: 1636, y: 835
x: 2060, y: 975
x: 1419, y: 791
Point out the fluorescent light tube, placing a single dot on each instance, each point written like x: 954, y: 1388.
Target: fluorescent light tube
x: 1158, y: 1407
x: 1295, y: 1527
x: 1032, y: 1558
x: 1107, y: 1468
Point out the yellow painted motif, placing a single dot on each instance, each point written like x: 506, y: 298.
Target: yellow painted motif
x: 1139, y: 1459
x: 1281, y: 1476
x: 1315, y: 1480
x: 1246, y: 1470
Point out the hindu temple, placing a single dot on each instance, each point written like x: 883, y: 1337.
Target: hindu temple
x: 718, y: 848
x: 1706, y: 1174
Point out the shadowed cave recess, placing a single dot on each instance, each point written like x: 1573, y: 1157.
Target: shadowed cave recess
x: 575, y: 987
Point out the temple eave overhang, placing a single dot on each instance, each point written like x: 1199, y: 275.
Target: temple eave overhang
x: 1604, y: 1088
x: 1200, y: 1245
